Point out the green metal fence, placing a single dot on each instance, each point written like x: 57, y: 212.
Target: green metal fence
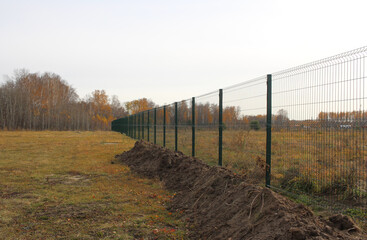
x: 300, y: 131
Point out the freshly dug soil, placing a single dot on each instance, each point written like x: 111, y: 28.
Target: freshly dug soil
x: 221, y: 205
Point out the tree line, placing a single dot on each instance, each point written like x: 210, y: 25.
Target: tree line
x: 44, y: 101
x: 208, y: 114
x: 35, y: 101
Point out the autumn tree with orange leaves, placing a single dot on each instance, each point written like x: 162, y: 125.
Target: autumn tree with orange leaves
x: 139, y: 105
x: 101, y: 110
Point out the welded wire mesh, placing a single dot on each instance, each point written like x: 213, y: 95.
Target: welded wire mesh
x: 207, y: 123
x: 244, y: 134
x: 170, y: 126
x: 159, y: 126
x: 145, y: 125
x: 184, y: 127
x: 151, y: 125
x: 319, y: 127
x: 316, y: 136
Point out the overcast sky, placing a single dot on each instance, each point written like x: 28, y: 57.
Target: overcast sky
x: 169, y: 50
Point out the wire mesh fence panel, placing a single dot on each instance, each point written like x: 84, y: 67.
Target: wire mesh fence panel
x: 159, y: 126
x: 319, y: 127
x: 244, y: 134
x: 310, y: 120
x: 150, y: 124
x: 138, y: 125
x: 207, y: 123
x: 145, y: 125
x: 184, y: 127
x: 134, y: 126
x: 170, y: 126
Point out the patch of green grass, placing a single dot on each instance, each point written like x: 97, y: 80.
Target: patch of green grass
x: 355, y: 212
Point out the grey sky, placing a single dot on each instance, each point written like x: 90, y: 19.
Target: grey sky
x: 172, y: 50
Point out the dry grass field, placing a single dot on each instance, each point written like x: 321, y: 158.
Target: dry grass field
x: 62, y: 185
x: 325, y: 162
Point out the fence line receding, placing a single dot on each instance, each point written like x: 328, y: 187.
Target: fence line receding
x: 301, y: 130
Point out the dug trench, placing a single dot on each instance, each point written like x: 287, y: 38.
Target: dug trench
x: 219, y: 204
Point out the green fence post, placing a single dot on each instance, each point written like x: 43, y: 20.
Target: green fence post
x: 176, y: 120
x: 132, y: 126
x: 123, y: 126
x: 164, y: 126
x: 148, y: 123
x: 135, y: 123
x: 142, y: 129
x: 124, y: 122
x: 139, y: 125
x: 155, y: 125
x: 193, y: 126
x: 127, y: 130
x: 268, y: 131
x: 220, y: 163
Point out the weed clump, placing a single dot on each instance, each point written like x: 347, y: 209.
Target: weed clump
x: 293, y: 180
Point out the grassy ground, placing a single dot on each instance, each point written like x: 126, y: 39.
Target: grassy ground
x: 62, y: 185
x: 324, y: 162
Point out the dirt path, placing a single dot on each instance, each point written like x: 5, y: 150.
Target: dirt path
x: 220, y: 205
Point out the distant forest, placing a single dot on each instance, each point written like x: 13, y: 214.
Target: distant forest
x: 35, y: 101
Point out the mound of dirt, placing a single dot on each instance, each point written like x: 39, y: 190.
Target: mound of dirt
x: 220, y: 205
